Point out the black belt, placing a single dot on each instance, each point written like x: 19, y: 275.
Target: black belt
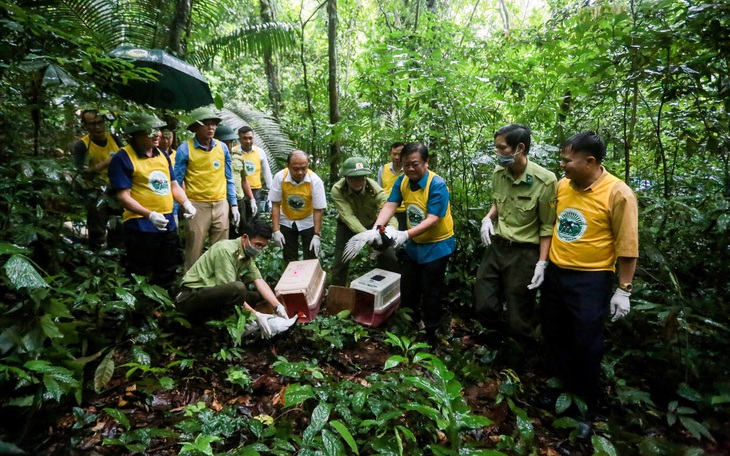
x: 507, y: 243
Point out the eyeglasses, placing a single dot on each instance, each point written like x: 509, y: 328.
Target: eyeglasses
x: 413, y: 164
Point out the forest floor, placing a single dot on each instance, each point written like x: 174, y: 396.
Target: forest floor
x: 492, y: 358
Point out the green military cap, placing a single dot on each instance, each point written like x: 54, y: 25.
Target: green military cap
x: 142, y: 122
x: 225, y: 133
x: 200, y: 115
x: 355, y: 166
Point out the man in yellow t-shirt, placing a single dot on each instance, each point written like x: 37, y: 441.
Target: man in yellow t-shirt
x: 428, y: 240
x: 257, y: 167
x: 203, y: 165
x: 387, y: 175
x: 144, y: 181
x: 298, y: 202
x: 92, y: 155
x: 595, y: 239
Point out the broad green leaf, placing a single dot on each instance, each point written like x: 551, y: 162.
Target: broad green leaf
x: 320, y: 415
x: 6, y: 248
x: 10, y: 448
x: 602, y: 446
x: 474, y: 422
x: 696, y: 429
x: 49, y: 327
x: 167, y: 383
x: 119, y: 416
x: 296, y: 393
x: 430, y: 412
x: 565, y: 422
x: 342, y: 429
x: 394, y: 361
x: 140, y: 356
x: 104, y: 371
x: 332, y: 444
x: 54, y: 389
x: 563, y: 402
x: 126, y: 297
x: 689, y: 393
x: 22, y: 274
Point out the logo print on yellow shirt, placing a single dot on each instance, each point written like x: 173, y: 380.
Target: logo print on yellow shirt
x: 250, y: 167
x: 158, y: 183
x: 571, y: 225
x: 216, y: 164
x: 295, y: 202
x: 415, y: 215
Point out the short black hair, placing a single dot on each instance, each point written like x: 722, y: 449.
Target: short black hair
x: 295, y: 152
x: 412, y: 147
x: 244, y: 129
x: 588, y: 143
x: 396, y: 145
x: 257, y: 227
x: 514, y: 134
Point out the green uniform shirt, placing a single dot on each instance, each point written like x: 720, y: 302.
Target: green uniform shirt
x: 239, y: 172
x: 224, y: 262
x: 359, y: 210
x: 526, y: 206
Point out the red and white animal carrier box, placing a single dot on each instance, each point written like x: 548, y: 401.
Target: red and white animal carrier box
x: 301, y: 289
x: 381, y: 292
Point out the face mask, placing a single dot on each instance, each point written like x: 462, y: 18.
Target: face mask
x: 506, y: 161
x: 251, y: 251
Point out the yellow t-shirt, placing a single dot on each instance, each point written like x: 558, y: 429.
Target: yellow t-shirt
x: 205, y: 178
x: 151, y: 183
x: 595, y: 226
x: 416, y: 203
x: 296, y: 200
x: 388, y: 178
x: 98, y: 154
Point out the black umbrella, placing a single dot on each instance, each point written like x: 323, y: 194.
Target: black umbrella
x: 178, y: 86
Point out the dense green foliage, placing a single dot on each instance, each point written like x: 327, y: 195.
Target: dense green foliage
x: 650, y: 76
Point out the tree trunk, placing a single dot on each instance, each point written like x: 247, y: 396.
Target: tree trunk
x: 180, y: 23
x: 271, y: 65
x: 334, y: 156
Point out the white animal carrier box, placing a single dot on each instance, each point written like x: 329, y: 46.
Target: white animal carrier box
x: 301, y: 289
x: 380, y: 296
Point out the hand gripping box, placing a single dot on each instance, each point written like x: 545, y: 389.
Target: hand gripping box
x: 301, y: 289
x: 380, y: 296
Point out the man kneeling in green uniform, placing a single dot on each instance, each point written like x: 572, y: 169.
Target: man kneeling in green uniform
x: 212, y: 284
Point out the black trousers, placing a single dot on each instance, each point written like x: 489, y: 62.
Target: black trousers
x: 574, y: 305
x: 155, y: 255
x: 203, y: 303
x: 291, y: 246
x: 100, y: 208
x: 386, y: 260
x: 421, y: 289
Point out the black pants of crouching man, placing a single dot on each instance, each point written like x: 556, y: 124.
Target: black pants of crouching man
x: 573, y: 307
x: 201, y: 304
x: 155, y: 255
x: 422, y: 289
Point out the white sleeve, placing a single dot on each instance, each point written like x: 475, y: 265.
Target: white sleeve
x: 265, y: 169
x: 319, y: 199
x: 275, y: 189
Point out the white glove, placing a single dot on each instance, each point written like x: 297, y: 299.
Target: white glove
x: 281, y: 311
x: 399, y: 237
x: 487, y: 230
x: 538, y: 276
x: 620, y: 305
x: 315, y: 244
x: 236, y: 215
x: 190, y: 210
x: 254, y: 207
x: 278, y: 239
x: 263, y: 320
x: 158, y: 220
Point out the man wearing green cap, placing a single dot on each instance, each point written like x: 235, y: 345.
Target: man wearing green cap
x: 226, y: 134
x: 358, y: 199
x: 203, y: 164
x: 144, y: 180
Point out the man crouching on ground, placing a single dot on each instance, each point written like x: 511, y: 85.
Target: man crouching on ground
x: 217, y: 281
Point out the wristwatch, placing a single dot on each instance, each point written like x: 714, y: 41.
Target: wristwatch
x: 627, y: 287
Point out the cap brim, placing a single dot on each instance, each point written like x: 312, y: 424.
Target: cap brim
x: 358, y: 173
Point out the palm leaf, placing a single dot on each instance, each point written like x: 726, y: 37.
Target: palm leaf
x: 97, y: 20
x: 267, y: 132
x: 251, y: 39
